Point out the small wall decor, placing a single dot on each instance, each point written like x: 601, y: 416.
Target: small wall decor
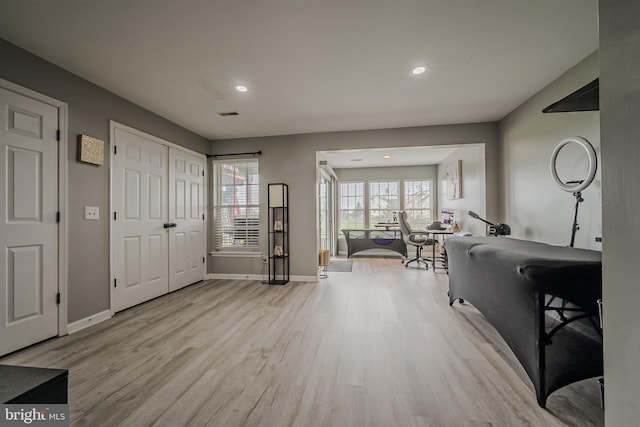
x: 453, y: 174
x: 90, y: 150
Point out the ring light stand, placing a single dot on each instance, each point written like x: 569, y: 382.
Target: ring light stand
x: 575, y: 186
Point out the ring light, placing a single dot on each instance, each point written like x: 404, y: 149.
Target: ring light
x: 575, y: 186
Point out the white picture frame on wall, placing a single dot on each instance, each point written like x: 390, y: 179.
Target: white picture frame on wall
x: 453, y: 174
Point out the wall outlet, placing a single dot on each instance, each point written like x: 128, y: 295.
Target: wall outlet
x: 264, y: 259
x: 91, y: 212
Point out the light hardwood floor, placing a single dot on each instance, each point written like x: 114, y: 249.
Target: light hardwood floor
x: 376, y: 347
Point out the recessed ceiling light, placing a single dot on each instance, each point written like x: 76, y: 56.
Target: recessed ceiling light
x: 241, y: 88
x: 386, y: 156
x: 418, y: 70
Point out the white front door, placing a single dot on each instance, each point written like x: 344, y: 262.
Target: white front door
x: 186, y: 211
x: 140, y: 239
x: 28, y: 226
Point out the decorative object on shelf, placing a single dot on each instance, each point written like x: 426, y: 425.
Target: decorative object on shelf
x: 90, y: 150
x: 453, y: 174
x: 455, y: 227
x: 575, y: 186
x: 278, y: 244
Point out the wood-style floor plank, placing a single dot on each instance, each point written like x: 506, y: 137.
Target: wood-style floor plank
x: 379, y: 346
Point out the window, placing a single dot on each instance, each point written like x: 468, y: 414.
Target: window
x: 236, y: 204
x: 352, y: 205
x: 417, y: 202
x: 384, y: 200
x: 360, y: 209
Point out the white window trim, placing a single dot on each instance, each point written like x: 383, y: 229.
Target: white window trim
x: 431, y: 195
x: 399, y: 181
x: 253, y: 251
x: 365, y: 208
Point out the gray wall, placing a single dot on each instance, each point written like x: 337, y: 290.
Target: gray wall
x: 620, y: 129
x: 473, y: 189
x: 90, y: 109
x: 393, y: 172
x: 531, y: 202
x: 292, y: 159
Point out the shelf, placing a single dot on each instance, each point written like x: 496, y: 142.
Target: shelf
x: 587, y: 98
x: 278, y: 232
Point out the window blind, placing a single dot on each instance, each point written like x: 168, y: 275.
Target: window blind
x: 236, y: 209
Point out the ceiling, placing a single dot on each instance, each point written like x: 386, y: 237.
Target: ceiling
x: 310, y: 66
x: 397, y: 156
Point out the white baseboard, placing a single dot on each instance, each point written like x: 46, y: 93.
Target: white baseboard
x: 229, y: 276
x: 303, y: 278
x: 259, y: 277
x: 81, y: 324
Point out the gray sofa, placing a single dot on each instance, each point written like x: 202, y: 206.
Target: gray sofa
x: 542, y: 299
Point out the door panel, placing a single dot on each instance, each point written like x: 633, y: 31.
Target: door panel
x: 28, y: 227
x: 24, y: 282
x: 155, y: 197
x: 24, y: 169
x: 141, y: 242
x: 186, y: 209
x: 157, y: 257
x: 132, y: 267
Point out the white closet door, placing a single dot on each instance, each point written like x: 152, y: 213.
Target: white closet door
x: 186, y: 211
x: 140, y: 189
x: 28, y: 227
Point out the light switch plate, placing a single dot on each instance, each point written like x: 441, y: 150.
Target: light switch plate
x: 91, y: 212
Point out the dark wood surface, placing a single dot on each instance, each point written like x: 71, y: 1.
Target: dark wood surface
x: 21, y: 384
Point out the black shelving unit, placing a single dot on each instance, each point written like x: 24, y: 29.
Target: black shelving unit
x: 278, y: 249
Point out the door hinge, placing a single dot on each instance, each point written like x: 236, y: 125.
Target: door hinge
x: 115, y: 149
x: 115, y: 283
x: 115, y: 216
x: 202, y: 173
x: 203, y: 217
x: 58, y: 298
x: 203, y: 260
x: 58, y: 135
x: 58, y: 217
